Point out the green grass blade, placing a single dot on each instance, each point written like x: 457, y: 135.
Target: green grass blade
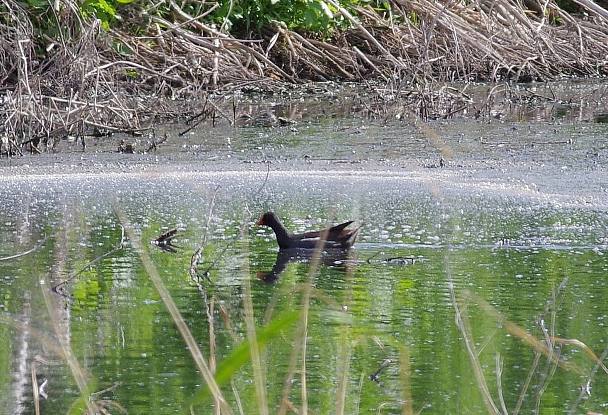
x: 241, y: 355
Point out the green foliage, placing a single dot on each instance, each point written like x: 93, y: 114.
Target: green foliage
x: 99, y: 9
x: 47, y: 21
x: 104, y: 10
x: 241, y: 354
x: 243, y: 17
x: 246, y: 16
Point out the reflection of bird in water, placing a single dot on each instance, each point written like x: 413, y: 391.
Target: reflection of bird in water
x: 334, y: 257
x: 165, y: 241
x: 336, y: 237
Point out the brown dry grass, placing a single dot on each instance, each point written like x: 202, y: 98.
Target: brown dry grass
x: 95, y: 82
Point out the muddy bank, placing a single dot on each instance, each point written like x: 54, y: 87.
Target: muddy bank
x: 563, y: 163
x: 300, y: 109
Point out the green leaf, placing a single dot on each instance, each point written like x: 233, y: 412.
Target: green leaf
x: 240, y: 355
x: 311, y: 18
x: 106, y: 7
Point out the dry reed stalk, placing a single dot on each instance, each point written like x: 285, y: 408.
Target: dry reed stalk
x: 423, y: 42
x: 586, y: 349
x: 36, y: 391
x: 551, y: 339
x: 259, y: 377
x: 234, y: 49
x: 593, y: 7
x: 345, y: 347
x: 296, y: 352
x: 499, y: 367
x: 237, y: 396
x: 526, y: 385
x: 546, y: 348
x: 464, y: 325
x: 300, y: 340
x: 519, y: 332
x: 212, y: 343
x: 345, y: 350
x: 406, y: 379
x: 585, y: 390
x: 59, y: 325
x: 384, y: 52
x: 164, y: 294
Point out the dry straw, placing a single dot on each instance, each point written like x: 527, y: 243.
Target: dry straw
x: 87, y: 87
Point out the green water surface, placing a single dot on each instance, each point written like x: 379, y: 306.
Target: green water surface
x: 473, y: 288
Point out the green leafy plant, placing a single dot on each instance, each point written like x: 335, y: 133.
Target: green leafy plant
x: 247, y: 16
x: 100, y: 9
x: 104, y: 10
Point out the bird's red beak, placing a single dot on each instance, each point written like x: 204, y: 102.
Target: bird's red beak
x: 260, y: 222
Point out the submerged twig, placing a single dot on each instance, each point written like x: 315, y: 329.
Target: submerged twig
x: 165, y: 241
x: 178, y: 319
x: 265, y: 178
x: 385, y: 363
x: 402, y: 260
x: 259, y: 376
x: 464, y: 325
x: 207, y: 270
x: 29, y: 251
x: 586, y: 388
x: 99, y: 258
x: 199, y: 252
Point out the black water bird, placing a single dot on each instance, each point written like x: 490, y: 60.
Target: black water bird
x: 336, y: 237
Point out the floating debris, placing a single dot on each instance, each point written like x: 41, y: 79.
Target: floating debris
x: 127, y: 148
x: 374, y: 376
x: 165, y: 241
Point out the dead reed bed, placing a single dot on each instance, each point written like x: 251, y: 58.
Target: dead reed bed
x: 88, y: 81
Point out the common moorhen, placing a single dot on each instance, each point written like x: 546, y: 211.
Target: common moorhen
x: 336, y: 237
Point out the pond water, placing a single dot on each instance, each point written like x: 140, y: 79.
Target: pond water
x: 476, y: 287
